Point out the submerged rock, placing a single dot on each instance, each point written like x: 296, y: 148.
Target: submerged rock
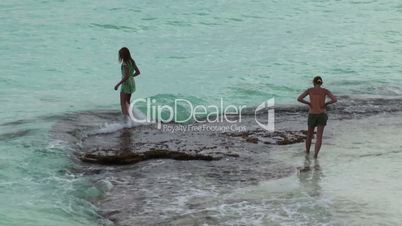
x: 128, y: 157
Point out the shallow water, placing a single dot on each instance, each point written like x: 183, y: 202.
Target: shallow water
x: 59, y: 57
x: 355, y: 183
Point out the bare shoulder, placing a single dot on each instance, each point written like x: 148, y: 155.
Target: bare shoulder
x: 326, y: 91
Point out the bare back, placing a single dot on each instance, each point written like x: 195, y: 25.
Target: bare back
x: 317, y: 99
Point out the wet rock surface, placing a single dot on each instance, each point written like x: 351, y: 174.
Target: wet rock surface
x: 141, y: 182
x: 91, y: 143
x: 132, y: 145
x: 119, y: 157
x: 276, y: 137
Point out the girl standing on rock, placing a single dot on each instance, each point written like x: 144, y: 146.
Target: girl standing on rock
x: 317, y: 115
x: 129, y: 70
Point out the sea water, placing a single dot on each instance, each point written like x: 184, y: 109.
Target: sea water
x: 58, y: 57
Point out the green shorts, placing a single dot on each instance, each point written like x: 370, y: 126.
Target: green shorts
x: 317, y: 119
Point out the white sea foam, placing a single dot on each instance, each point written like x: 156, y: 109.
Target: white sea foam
x: 126, y: 122
x: 104, y: 185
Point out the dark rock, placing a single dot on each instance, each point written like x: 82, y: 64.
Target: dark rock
x: 266, y: 137
x: 253, y: 140
x: 128, y: 157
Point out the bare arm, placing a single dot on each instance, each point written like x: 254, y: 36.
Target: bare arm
x: 126, y: 76
x: 302, y: 96
x: 332, y: 97
x: 137, y: 70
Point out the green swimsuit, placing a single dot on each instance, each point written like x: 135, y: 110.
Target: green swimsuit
x: 129, y: 85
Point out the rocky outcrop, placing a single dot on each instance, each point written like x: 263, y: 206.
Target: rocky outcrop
x: 117, y: 157
x: 132, y: 145
x: 197, y: 141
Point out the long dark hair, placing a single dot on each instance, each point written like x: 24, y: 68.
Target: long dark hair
x: 125, y: 56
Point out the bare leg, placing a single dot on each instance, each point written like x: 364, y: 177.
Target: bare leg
x: 123, y: 104
x: 128, y: 97
x: 320, y: 131
x: 310, y: 133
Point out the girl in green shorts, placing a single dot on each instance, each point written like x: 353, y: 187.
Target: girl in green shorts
x: 128, y: 71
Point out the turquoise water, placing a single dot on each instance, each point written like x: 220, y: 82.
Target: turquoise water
x: 58, y: 57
